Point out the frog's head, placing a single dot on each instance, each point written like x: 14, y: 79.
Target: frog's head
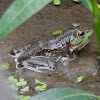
x: 81, y: 38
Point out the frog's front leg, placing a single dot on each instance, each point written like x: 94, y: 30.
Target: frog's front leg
x: 39, y: 64
x: 66, y: 60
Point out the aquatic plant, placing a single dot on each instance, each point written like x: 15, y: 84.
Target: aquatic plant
x: 79, y: 79
x: 65, y: 94
x: 4, y: 66
x: 41, y: 87
x: 57, y: 32
x: 15, y: 85
x: 76, y: 0
x: 19, y: 12
x: 56, y: 2
x: 93, y: 6
x: 21, y: 97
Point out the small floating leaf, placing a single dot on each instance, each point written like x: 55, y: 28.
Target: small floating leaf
x: 37, y: 81
x: 98, y: 57
x: 21, y: 83
x: 21, y: 79
x: 22, y: 97
x: 5, y: 66
x: 76, y: 0
x: 57, y: 32
x: 44, y: 86
x: 56, y: 2
x: 12, y: 79
x: 41, y: 88
x: 14, y: 87
x: 79, y: 79
x: 26, y: 97
x: 25, y: 89
x: 99, y: 6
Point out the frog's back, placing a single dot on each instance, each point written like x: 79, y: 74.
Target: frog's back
x: 59, y: 42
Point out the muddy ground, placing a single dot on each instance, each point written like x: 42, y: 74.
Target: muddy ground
x: 39, y: 27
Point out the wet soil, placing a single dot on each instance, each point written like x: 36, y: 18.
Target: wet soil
x: 39, y: 27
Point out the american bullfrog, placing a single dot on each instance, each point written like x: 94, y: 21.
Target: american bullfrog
x: 46, y: 55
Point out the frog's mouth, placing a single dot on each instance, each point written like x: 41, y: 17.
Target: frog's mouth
x: 83, y: 45
x: 78, y: 47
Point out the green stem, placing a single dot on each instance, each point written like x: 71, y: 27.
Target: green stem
x: 96, y: 20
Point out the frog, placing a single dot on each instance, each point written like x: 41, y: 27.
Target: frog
x: 47, y: 55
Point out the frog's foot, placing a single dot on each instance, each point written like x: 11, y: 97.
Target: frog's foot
x: 15, y: 53
x: 72, y: 56
x: 39, y: 64
x: 66, y: 60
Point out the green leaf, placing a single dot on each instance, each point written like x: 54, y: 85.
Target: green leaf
x: 65, y: 94
x: 93, y: 6
x: 14, y: 87
x: 26, y: 97
x: 37, y: 81
x: 12, y: 79
x: 56, y: 2
x: 21, y: 79
x: 57, y: 32
x: 99, y: 6
x: 5, y: 66
x: 79, y: 79
x: 21, y: 97
x: 87, y: 3
x: 76, y: 0
x: 41, y: 88
x: 25, y: 89
x: 44, y: 86
x: 18, y: 12
x: 21, y: 83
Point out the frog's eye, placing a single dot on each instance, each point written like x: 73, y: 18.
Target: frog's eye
x: 80, y: 34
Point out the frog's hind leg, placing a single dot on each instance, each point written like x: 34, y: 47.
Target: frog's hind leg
x: 39, y: 63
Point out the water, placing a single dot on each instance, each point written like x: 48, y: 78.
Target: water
x: 39, y: 27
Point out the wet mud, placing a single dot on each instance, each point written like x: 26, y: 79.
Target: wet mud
x: 39, y: 27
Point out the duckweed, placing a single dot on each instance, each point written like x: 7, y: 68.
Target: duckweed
x: 76, y: 0
x: 21, y: 79
x: 12, y: 79
x: 56, y: 2
x: 25, y: 89
x: 57, y: 32
x: 41, y: 88
x: 22, y: 97
x: 5, y: 66
x: 21, y: 83
x: 37, y: 81
x: 79, y: 79
x: 14, y: 87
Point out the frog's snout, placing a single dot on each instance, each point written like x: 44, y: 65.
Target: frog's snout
x: 89, y: 34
